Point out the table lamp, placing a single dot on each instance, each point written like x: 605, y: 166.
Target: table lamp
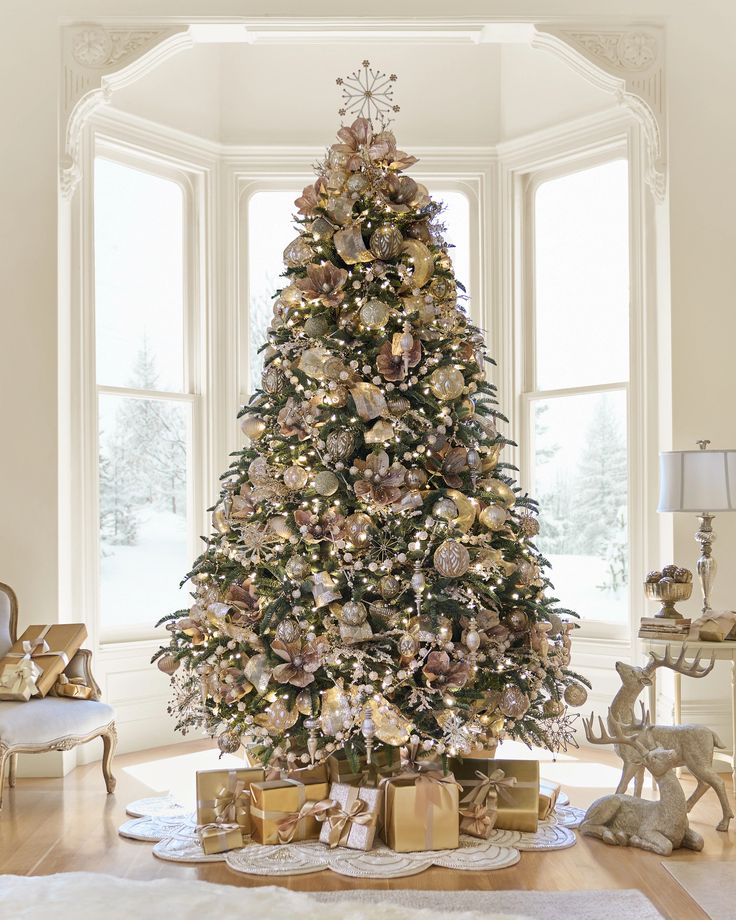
x: 700, y: 481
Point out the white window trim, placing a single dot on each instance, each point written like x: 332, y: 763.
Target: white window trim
x: 557, y: 151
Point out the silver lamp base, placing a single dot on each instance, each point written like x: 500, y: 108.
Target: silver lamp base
x: 707, y: 566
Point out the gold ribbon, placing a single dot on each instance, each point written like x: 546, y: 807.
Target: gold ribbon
x: 494, y: 785
x: 288, y: 824
x: 231, y: 802
x: 74, y: 687
x: 479, y: 820
x: 342, y: 819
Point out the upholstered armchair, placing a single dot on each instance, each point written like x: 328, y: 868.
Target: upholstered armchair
x: 53, y: 723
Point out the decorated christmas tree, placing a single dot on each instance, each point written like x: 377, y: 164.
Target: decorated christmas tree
x: 372, y: 577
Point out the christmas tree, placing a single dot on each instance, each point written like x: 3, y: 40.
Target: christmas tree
x: 372, y: 577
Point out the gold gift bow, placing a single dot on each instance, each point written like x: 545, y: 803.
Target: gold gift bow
x: 231, y: 801
x: 481, y: 822
x: 37, y: 648
x: 288, y: 824
x: 341, y: 819
x: 496, y: 784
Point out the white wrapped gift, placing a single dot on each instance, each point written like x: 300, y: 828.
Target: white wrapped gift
x: 18, y: 680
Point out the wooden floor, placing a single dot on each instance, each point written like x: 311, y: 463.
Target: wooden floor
x: 70, y: 824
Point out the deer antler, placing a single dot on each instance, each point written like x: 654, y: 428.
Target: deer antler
x: 617, y: 738
x: 688, y: 668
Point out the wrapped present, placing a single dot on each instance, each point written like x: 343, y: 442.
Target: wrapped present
x: 714, y: 626
x: 353, y: 818
x: 223, y: 796
x: 308, y: 775
x: 384, y: 762
x: 285, y: 810
x: 479, y: 806
x: 516, y: 789
x: 50, y: 647
x: 341, y: 770
x: 420, y: 811
x: 74, y: 687
x: 548, y: 794
x: 219, y: 838
x: 18, y: 680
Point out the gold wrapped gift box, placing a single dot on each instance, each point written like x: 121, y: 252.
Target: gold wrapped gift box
x: 383, y: 763
x: 420, y: 812
x: 219, y: 838
x: 223, y: 796
x: 285, y: 810
x: 517, y: 789
x: 73, y: 687
x: 18, y: 680
x: 353, y: 818
x: 51, y: 648
x: 548, y: 795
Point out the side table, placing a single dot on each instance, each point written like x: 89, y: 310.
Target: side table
x: 721, y: 651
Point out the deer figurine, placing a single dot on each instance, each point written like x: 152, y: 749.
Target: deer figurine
x: 627, y: 820
x: 693, y: 744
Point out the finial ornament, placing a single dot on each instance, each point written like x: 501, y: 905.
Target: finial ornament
x: 368, y: 93
x: 703, y: 444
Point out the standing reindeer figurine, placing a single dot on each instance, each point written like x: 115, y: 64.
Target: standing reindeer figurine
x: 693, y: 744
x: 627, y: 820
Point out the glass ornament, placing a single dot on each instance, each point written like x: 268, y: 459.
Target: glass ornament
x: 295, y: 477
x: 514, y: 703
x: 451, y: 559
x: 386, y: 241
x: 446, y: 383
x: 374, y: 314
x: 576, y: 695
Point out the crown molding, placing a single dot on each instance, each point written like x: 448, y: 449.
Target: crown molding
x: 628, y: 62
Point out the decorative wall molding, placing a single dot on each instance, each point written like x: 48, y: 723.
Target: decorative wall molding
x: 95, y: 60
x: 629, y: 62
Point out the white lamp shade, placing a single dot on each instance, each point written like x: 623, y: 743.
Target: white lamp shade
x: 697, y: 480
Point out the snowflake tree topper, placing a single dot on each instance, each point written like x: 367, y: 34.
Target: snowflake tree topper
x: 368, y: 93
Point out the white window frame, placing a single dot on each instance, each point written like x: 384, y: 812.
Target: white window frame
x: 115, y: 139
x: 591, y: 141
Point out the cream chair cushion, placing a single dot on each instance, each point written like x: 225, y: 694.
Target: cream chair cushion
x: 39, y: 722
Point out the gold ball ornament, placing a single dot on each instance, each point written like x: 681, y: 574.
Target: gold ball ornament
x: 386, y: 242
x: 553, y: 708
x: 297, y: 568
x: 357, y: 183
x: 398, y: 405
x: 316, y: 326
x: 517, y: 620
x: 389, y: 586
x: 169, y: 664
x: 288, y: 631
x: 445, y: 509
x: 273, y: 381
x: 451, y: 559
x: 528, y: 525
x: 502, y: 491
x: 304, y: 702
x: 341, y: 444
x: 358, y: 528
x: 526, y: 572
x: 415, y: 477
x: 374, y: 314
x: 229, y: 742
x: 493, y: 517
x: 337, y: 398
x: 295, y: 478
x: 575, y: 695
x: 326, y: 483
x: 514, y: 703
x: 466, y: 409
x: 446, y: 383
x: 252, y: 427
x: 353, y: 613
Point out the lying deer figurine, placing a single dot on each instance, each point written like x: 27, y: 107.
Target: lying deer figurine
x: 693, y: 744
x: 627, y: 820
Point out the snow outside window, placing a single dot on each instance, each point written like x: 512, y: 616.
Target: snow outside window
x: 579, y: 360
x: 144, y: 407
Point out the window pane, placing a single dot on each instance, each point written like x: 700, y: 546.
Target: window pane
x: 580, y: 481
x: 139, y: 271
x: 582, y: 278
x: 143, y: 508
x: 456, y: 218
x: 270, y: 230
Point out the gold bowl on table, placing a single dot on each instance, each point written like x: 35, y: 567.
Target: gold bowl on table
x: 668, y: 592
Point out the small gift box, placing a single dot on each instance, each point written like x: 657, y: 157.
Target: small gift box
x: 285, y: 810
x: 420, y: 811
x: 548, y: 794
x: 50, y: 647
x: 352, y: 820
x: 74, y: 687
x: 513, y: 783
x: 223, y: 796
x: 341, y: 769
x: 383, y: 763
x: 308, y: 775
x: 219, y: 838
x: 18, y: 680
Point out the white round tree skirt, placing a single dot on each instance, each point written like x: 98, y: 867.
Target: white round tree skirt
x: 172, y: 828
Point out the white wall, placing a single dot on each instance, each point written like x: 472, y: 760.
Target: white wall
x: 702, y: 198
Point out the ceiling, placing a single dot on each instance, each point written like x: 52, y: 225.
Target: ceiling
x: 450, y: 94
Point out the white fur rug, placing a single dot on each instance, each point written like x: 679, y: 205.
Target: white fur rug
x: 75, y: 895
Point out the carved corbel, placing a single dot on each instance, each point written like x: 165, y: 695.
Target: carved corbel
x: 95, y: 60
x: 629, y: 62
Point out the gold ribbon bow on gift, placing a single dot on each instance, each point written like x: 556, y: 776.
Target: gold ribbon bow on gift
x: 20, y: 675
x: 231, y: 802
x: 481, y: 822
x: 76, y: 687
x: 341, y: 819
x: 288, y: 824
